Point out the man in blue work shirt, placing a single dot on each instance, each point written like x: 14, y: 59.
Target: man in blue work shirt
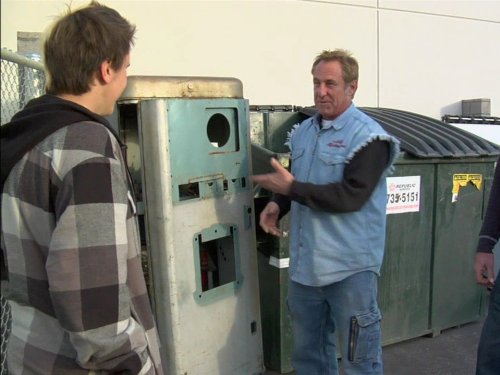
x: 337, y: 195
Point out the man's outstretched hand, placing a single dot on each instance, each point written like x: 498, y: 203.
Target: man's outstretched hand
x: 279, y: 181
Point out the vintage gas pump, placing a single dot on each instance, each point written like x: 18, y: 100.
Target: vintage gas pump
x: 189, y: 157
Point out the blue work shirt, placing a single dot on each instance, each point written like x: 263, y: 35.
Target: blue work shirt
x: 327, y: 247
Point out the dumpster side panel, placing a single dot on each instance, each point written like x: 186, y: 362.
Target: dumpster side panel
x: 269, y: 130
x: 404, y: 286
x: 456, y: 298
x: 277, y: 332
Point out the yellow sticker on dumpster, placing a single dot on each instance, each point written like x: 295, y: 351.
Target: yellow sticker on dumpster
x: 462, y: 179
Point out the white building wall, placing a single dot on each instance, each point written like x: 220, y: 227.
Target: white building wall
x: 420, y: 56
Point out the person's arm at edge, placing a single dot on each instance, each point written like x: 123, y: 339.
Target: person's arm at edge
x: 489, y: 235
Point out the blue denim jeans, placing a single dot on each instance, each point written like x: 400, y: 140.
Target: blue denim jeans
x: 488, y: 353
x: 346, y: 313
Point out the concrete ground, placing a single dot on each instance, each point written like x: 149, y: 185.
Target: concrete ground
x: 453, y: 352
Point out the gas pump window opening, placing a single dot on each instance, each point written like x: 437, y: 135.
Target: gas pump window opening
x: 216, y: 262
x: 218, y: 130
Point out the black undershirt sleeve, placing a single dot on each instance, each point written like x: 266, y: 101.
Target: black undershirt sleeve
x: 361, y: 175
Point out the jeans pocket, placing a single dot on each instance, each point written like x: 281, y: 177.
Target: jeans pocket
x: 364, y: 336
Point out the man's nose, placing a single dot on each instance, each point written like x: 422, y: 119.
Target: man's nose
x: 321, y: 89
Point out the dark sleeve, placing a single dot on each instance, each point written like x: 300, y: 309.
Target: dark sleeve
x: 284, y: 202
x: 361, y: 175
x: 490, y: 230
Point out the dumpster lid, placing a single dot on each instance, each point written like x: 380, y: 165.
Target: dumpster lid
x: 425, y: 137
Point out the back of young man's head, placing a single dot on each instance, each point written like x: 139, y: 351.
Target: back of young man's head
x: 79, y: 42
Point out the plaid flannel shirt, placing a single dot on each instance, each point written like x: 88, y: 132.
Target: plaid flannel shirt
x: 76, y: 287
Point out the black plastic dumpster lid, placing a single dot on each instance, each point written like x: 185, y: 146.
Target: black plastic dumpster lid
x: 425, y: 137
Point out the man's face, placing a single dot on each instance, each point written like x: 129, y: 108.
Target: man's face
x: 117, y: 83
x: 121, y: 77
x: 331, y: 95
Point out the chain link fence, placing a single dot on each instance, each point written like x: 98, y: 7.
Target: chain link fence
x: 22, y: 79
x: 5, y: 322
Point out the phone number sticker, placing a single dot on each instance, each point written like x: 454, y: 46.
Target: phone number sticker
x: 403, y: 194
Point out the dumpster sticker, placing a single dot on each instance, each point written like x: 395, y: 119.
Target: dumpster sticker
x: 403, y: 194
x: 279, y: 262
x: 462, y: 179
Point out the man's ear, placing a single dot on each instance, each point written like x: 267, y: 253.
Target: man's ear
x: 352, y: 87
x: 106, y: 71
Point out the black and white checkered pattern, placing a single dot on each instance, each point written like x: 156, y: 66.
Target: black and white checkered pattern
x: 76, y: 288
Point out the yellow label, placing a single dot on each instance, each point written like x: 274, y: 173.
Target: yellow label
x: 476, y: 179
x: 462, y: 179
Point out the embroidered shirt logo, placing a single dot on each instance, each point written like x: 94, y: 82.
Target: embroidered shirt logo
x: 337, y: 144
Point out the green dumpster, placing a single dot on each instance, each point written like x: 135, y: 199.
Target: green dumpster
x: 405, y: 282
x: 427, y: 281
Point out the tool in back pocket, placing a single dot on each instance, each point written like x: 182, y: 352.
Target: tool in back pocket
x: 353, y: 338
